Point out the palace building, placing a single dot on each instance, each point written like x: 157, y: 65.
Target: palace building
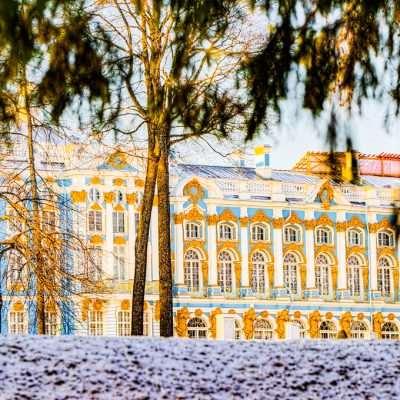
x: 263, y: 245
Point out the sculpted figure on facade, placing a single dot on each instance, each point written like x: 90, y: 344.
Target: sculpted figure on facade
x: 377, y: 322
x: 248, y: 320
x: 213, y: 322
x: 313, y: 322
x: 345, y: 322
x: 181, y: 322
x: 281, y: 318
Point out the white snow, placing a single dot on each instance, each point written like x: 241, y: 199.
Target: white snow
x: 33, y: 367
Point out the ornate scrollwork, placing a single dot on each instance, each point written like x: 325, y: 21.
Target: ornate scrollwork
x: 194, y: 190
x: 341, y: 226
x: 212, y: 219
x: 78, y: 197
x: 131, y: 198
x: 278, y: 223
x: 260, y: 217
x: 355, y: 222
x: 325, y: 195
x: 109, y: 197
x: 178, y: 218
x: 227, y: 215
x: 194, y: 215
x: 310, y: 224
x: 244, y: 221
x: 324, y: 220
x: 118, y: 182
x: 294, y: 219
x: 125, y: 305
x: 95, y: 181
x: 213, y: 321
x: 96, y: 239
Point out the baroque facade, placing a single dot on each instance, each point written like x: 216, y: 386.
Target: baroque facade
x: 267, y: 246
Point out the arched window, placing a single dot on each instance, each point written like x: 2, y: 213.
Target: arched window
x: 95, y: 323
x: 292, y: 234
x: 355, y: 237
x: 358, y: 330
x: 238, y: 330
x: 51, y: 323
x: 192, y: 271
x: 94, y: 195
x: 225, y: 272
x: 323, y: 236
x: 123, y: 323
x: 322, y: 275
x: 197, y: 328
x: 302, y: 325
x: 290, y: 272
x: 263, y: 330
x: 95, y: 221
x: 384, y: 277
x: 227, y: 231
x: 194, y: 230
x: 119, y: 197
x: 17, y: 322
x: 385, y: 239
x: 259, y: 233
x: 354, y: 278
x: 390, y: 330
x: 327, y: 330
x: 258, y: 272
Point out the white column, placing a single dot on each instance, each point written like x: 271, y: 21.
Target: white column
x: 149, y: 262
x: 341, y: 253
x: 277, y: 223
x: 109, y: 270
x: 131, y: 240
x: 154, y: 241
x: 212, y: 253
x: 179, y: 278
x: 244, y: 249
x: 373, y: 268
x: 310, y: 276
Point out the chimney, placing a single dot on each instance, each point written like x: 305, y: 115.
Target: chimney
x: 238, y: 157
x: 263, y: 168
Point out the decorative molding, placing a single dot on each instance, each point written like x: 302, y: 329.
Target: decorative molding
x: 328, y: 315
x: 212, y: 219
x: 139, y: 183
x: 296, y: 248
x: 360, y: 316
x: 194, y: 215
x: 227, y: 215
x: 18, y: 306
x: 194, y: 190
x: 303, y: 273
x: 231, y: 311
x: 297, y: 315
x: 118, y: 182
x: 373, y: 228
x: 213, y: 322
x: 260, y: 217
x: 294, y: 219
x: 249, y: 317
x: 196, y: 244
x: 119, y: 240
x: 125, y: 305
x: 310, y: 224
x: 355, y: 222
x: 178, y: 218
x: 204, y: 271
x: 118, y: 207
x: 264, y: 314
x: 391, y: 317
x: 131, y: 198
x: 181, y: 322
x: 229, y: 246
x: 78, y: 197
x: 117, y: 160
x: 388, y: 252
x: 95, y: 181
x: 261, y: 247
x: 145, y: 306
x: 96, y: 239
x: 109, y: 197
x: 157, y: 311
x: 155, y: 201
x: 198, y: 312
x: 356, y: 250
x: 238, y: 271
x: 385, y: 224
x: 85, y: 308
x: 96, y: 207
x: 341, y: 226
x: 325, y: 249
x: 325, y: 195
x: 98, y: 305
x: 324, y: 220
x: 334, y: 272
x: 244, y: 221
x: 278, y: 223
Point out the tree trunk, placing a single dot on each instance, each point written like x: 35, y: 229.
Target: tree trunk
x: 40, y: 295
x: 164, y: 243
x: 141, y: 242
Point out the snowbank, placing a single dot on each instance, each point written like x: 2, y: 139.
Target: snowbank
x: 148, y: 368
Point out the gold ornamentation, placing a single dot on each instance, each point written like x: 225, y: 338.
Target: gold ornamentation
x: 328, y: 315
x: 181, y: 322
x: 281, y: 318
x: 125, y: 305
x: 373, y: 228
x: 204, y: 271
x: 341, y: 226
x: 227, y: 215
x: 96, y: 207
x: 345, y: 322
x: 360, y: 316
x: 334, y: 272
x: 385, y: 224
x: 155, y: 201
x: 131, y: 198
x: 51, y: 305
x: 325, y: 195
x: 388, y: 252
x: 117, y: 160
x: 109, y: 197
x: 231, y: 311
x: 248, y: 321
x: 325, y: 249
x: 198, y: 313
x: 313, y: 322
x: 197, y: 244
x: 244, y: 222
x: 85, y: 308
x: 391, y: 317
x: 303, y: 276
x: 213, y: 321
x: 157, y: 311
x: 364, y: 272
x: 377, y: 322
x: 297, y: 314
x: 260, y: 217
x: 230, y: 246
x: 324, y: 220
x: 194, y: 190
x: 194, y: 215
x: 18, y: 306
x: 139, y: 183
x: 310, y: 224
x: 78, y: 197
x: 95, y: 181
x: 295, y: 248
x: 263, y: 248
x: 271, y: 275
x: 118, y: 182
x: 278, y: 223
x: 118, y: 207
x: 396, y: 283
x: 98, y: 305
x: 294, y: 219
x: 355, y: 250
x: 238, y: 270
x: 355, y: 222
x: 178, y: 218
x: 96, y: 239
x: 119, y: 240
x: 145, y: 306
x: 212, y: 219
x: 264, y: 314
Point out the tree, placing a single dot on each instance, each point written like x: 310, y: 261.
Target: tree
x: 179, y: 61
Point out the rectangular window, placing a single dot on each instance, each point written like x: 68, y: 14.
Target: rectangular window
x: 16, y: 269
x: 16, y: 323
x: 96, y: 323
x: 51, y: 323
x: 146, y: 324
x: 118, y: 222
x: 119, y: 263
x: 95, y: 263
x: 14, y: 223
x: 95, y: 221
x: 123, y: 323
x: 49, y: 221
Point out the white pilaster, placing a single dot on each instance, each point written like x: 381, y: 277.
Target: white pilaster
x: 179, y: 277
x: 310, y: 276
x: 109, y: 269
x: 131, y: 241
x: 341, y: 252
x: 244, y: 248
x: 373, y: 269
x: 278, y: 248
x: 154, y: 244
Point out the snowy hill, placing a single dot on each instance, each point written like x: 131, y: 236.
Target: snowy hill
x: 131, y: 368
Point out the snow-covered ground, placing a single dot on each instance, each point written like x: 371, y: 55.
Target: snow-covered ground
x: 131, y: 368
